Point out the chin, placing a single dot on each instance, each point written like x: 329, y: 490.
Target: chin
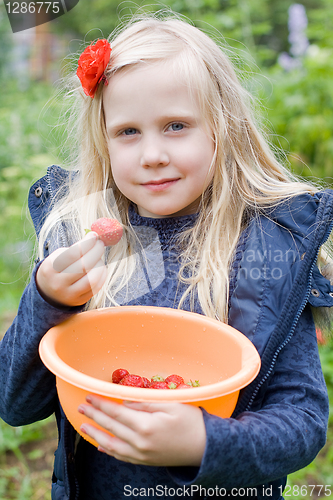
x: 155, y: 214
x: 160, y: 213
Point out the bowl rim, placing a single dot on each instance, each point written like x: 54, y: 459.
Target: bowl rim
x: 250, y: 360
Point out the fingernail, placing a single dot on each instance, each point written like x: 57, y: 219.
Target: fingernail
x: 88, y: 399
x: 101, y: 449
x: 83, y: 429
x: 81, y: 409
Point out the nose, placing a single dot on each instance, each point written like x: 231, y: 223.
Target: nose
x: 153, y: 153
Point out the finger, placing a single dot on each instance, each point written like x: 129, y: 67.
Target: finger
x: 111, y: 445
x: 74, y: 252
x: 93, y: 258
x: 88, y: 261
x: 97, y: 277
x: 128, y: 417
x: 150, y: 407
x: 108, y: 423
x: 88, y: 284
x: 51, y: 282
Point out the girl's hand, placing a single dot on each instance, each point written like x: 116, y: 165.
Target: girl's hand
x: 160, y: 434
x: 71, y: 276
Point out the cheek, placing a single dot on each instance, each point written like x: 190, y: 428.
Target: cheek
x: 204, y: 159
x: 120, y: 166
x: 121, y: 179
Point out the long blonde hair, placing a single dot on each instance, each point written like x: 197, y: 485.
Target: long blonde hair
x: 247, y: 174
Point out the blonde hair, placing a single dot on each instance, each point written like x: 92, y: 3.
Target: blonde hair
x: 247, y: 175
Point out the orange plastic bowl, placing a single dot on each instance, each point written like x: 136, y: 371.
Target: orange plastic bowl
x: 84, y: 351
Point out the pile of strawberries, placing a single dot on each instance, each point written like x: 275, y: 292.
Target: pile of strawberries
x: 123, y: 377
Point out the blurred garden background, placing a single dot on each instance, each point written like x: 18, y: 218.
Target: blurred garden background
x: 283, y: 49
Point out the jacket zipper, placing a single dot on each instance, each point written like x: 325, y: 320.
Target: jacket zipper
x: 62, y: 232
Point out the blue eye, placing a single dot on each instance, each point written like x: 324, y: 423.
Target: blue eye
x: 177, y: 126
x: 130, y: 131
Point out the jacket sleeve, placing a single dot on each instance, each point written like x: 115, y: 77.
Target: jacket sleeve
x: 27, y: 388
x: 283, y: 435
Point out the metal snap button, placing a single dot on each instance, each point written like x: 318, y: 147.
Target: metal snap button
x: 315, y: 292
x: 38, y: 192
x: 331, y: 294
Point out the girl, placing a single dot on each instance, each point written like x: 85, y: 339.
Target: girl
x: 213, y: 224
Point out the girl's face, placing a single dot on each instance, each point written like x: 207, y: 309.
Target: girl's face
x: 160, y: 147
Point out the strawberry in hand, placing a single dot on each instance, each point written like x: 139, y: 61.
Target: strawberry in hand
x: 109, y: 231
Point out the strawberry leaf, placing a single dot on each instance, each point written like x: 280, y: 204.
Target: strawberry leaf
x: 172, y: 385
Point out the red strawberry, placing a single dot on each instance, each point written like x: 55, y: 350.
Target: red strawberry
x: 146, y: 382
x: 108, y: 230
x: 132, y: 380
x: 118, y: 375
x: 174, y: 379
x: 159, y: 385
x: 157, y: 378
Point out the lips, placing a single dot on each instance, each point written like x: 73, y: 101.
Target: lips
x: 160, y: 181
x: 160, y: 184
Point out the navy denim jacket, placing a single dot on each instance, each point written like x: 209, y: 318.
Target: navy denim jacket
x: 279, y: 423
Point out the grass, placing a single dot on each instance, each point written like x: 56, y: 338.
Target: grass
x: 26, y: 460
x: 320, y: 472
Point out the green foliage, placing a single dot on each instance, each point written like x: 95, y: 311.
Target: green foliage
x: 5, y: 41
x: 20, y: 478
x: 92, y: 19
x: 300, y: 108
x: 8, y: 477
x: 320, y: 23
x: 320, y: 471
x: 11, y: 438
x: 257, y: 26
x: 24, y: 155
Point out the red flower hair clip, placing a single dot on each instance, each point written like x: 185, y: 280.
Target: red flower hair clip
x: 92, y: 64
